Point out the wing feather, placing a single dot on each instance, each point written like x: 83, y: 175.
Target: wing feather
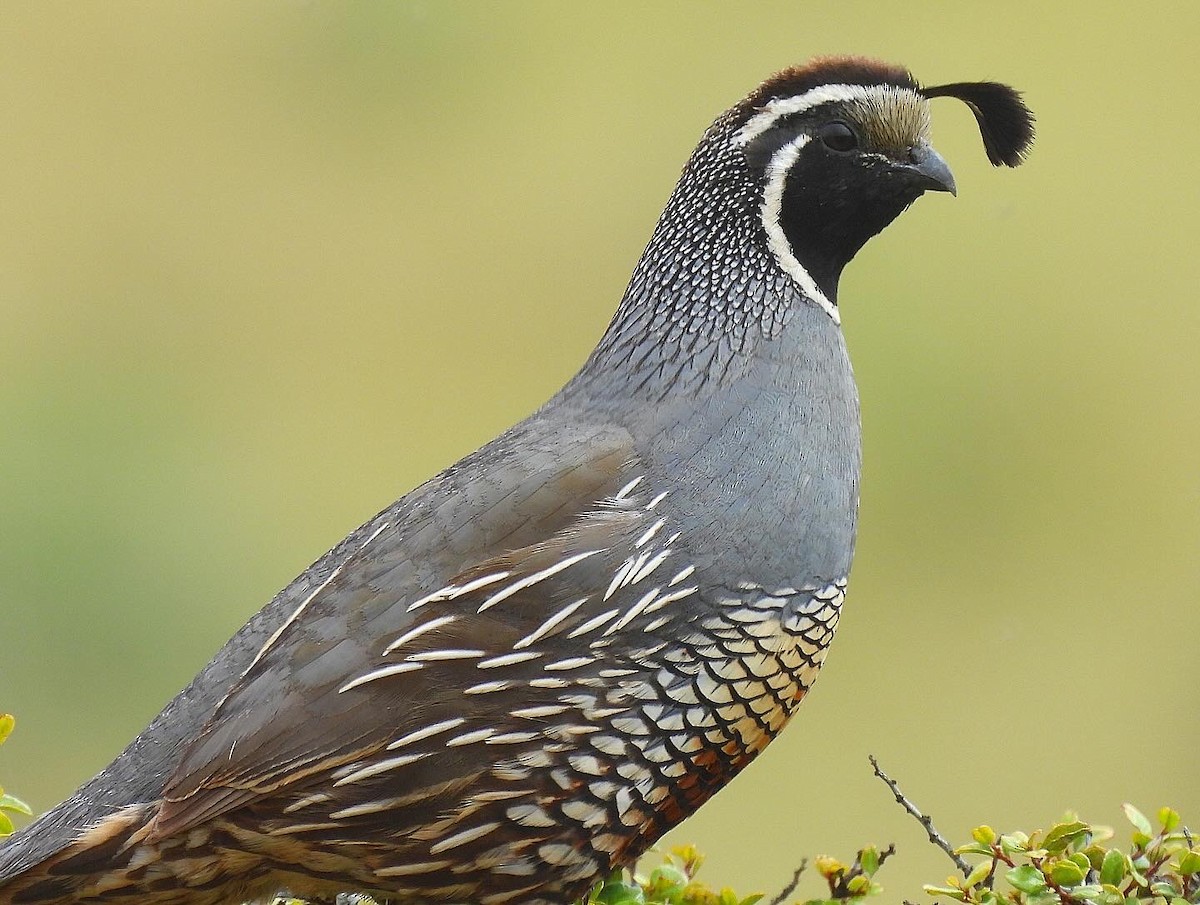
x: 290, y: 725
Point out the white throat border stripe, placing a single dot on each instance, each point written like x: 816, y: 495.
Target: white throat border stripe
x: 777, y: 171
x: 783, y: 160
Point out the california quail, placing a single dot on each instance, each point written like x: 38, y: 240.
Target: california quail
x: 522, y: 673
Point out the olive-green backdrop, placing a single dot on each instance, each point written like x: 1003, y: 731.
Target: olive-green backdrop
x: 265, y: 267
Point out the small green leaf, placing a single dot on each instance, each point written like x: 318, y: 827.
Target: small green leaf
x: 1100, y: 832
x: 1114, y: 868
x: 1081, y: 859
x: 947, y: 891
x: 1095, y: 855
x: 1026, y: 878
x: 978, y: 873
x: 1063, y: 835
x: 1090, y: 892
x: 1066, y: 873
x: 6, y: 825
x: 1014, y: 843
x: 751, y: 899
x: 666, y: 883
x: 13, y: 803
x: 1189, y: 862
x: 858, y: 885
x: 1169, y: 818
x: 620, y: 893
x: 1136, y: 874
x: 1046, y: 897
x: 974, y: 848
x: 1138, y: 819
x: 868, y: 860
x: 7, y: 721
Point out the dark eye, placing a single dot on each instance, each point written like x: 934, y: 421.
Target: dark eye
x: 837, y: 136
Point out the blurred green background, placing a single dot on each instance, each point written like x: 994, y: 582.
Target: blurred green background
x: 265, y: 267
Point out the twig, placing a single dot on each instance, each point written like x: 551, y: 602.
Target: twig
x: 787, y: 891
x: 839, y: 883
x: 934, y: 836
x: 887, y: 853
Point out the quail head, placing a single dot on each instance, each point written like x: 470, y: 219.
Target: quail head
x: 521, y: 674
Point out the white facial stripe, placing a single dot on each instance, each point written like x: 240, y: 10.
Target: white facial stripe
x: 788, y: 106
x: 777, y: 171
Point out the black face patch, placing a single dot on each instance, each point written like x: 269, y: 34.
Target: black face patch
x: 834, y: 201
x: 836, y: 174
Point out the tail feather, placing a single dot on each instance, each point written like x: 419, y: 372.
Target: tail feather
x: 120, y: 859
x: 111, y: 861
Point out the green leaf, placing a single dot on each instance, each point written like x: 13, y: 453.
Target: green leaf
x: 947, y: 891
x: 1066, y: 873
x: 1046, y: 897
x: 868, y: 860
x: 974, y: 848
x: 6, y: 825
x: 1100, y: 832
x: 1081, y: 859
x: 1169, y: 818
x: 13, y: 803
x: 1095, y: 855
x: 1138, y: 878
x: 1114, y: 868
x: 1189, y: 862
x: 666, y: 883
x: 1026, y: 878
x: 858, y: 885
x: 620, y: 893
x: 978, y: 873
x: 7, y: 721
x: 1138, y: 819
x: 1014, y: 843
x: 1063, y: 835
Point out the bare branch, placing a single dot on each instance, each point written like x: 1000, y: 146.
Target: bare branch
x: 934, y: 836
x: 787, y: 891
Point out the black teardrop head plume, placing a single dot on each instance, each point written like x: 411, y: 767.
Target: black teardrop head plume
x: 1005, y: 123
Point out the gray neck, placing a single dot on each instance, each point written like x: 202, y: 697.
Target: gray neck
x: 737, y: 385
x: 706, y: 292
x: 763, y: 469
